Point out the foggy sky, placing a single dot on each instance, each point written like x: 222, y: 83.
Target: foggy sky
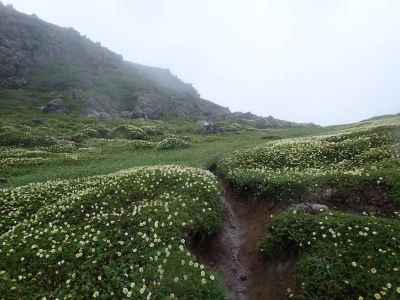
x: 329, y: 62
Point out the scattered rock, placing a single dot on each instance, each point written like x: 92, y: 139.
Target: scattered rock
x: 210, y: 127
x: 310, y: 208
x: 55, y: 106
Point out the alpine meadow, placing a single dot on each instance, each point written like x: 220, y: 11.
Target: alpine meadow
x: 119, y: 180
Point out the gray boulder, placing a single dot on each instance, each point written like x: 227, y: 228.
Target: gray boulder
x: 55, y: 106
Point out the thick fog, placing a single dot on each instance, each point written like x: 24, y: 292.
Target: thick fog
x: 331, y: 61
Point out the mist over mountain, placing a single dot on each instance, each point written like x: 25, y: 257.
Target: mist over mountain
x: 39, y: 56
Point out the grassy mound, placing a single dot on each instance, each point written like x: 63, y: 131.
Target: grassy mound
x: 297, y: 169
x: 341, y: 256
x: 115, y: 236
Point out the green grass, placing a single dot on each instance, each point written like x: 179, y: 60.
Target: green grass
x: 106, y: 160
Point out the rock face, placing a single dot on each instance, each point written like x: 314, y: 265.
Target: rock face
x: 55, y: 106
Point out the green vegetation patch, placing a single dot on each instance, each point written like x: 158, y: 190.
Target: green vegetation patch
x: 115, y: 236
x: 340, y: 256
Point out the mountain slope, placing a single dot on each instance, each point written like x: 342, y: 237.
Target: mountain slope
x: 53, y: 62
x: 41, y: 56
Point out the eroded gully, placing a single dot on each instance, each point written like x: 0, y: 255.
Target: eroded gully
x: 234, y: 252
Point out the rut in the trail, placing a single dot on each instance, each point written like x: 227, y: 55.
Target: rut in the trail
x: 234, y: 252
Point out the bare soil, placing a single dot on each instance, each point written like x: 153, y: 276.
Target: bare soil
x: 234, y: 252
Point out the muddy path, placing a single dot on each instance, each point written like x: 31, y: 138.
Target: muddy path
x: 233, y: 251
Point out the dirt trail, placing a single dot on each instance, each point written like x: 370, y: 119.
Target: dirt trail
x: 234, y: 252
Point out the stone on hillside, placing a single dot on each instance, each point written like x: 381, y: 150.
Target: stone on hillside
x: 210, y: 127
x: 55, y: 106
x: 310, y: 208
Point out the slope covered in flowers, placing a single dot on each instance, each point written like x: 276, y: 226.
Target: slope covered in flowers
x: 365, y: 156
x: 116, y: 236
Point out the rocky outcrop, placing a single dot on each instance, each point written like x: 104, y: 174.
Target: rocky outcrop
x: 55, y: 106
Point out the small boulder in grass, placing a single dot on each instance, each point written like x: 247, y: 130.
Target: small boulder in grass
x: 309, y: 208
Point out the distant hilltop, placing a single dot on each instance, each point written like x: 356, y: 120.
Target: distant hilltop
x: 39, y: 56
x: 381, y: 117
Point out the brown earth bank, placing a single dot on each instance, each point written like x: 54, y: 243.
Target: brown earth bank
x: 371, y: 199
x: 234, y: 252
